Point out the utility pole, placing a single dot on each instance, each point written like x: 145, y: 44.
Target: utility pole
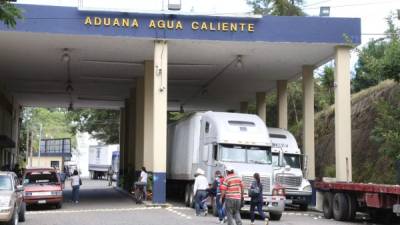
x: 29, y: 147
x: 40, y: 139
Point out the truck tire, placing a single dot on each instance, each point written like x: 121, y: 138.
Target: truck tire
x: 275, y: 216
x: 191, y: 197
x: 22, y: 210
x: 352, y: 202
x: 327, y: 205
x: 304, y: 207
x: 187, y: 195
x: 340, y: 207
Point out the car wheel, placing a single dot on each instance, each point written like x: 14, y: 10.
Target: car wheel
x: 304, y: 207
x: 14, y: 218
x: 275, y: 216
x: 22, y: 210
x: 59, y: 205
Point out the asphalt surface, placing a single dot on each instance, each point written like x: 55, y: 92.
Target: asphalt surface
x: 103, y: 205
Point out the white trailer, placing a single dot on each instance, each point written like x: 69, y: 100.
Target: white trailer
x: 100, y: 160
x: 287, y: 160
x: 215, y: 140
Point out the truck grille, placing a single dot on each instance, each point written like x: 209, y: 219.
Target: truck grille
x: 288, y: 180
x: 265, y: 181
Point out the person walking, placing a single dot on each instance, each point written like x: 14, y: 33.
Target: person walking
x: 216, y: 189
x: 143, y: 181
x: 75, y: 184
x: 232, y: 193
x: 110, y: 174
x: 256, y: 195
x: 200, y: 192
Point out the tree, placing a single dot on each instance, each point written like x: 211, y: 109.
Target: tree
x: 387, y: 127
x: 327, y: 80
x: 53, y: 122
x: 9, y: 13
x: 102, y: 124
x: 379, y: 60
x: 277, y: 7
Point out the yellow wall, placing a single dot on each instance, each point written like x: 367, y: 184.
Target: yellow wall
x: 45, y: 161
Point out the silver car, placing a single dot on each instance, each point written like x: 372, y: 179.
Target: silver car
x: 12, y: 206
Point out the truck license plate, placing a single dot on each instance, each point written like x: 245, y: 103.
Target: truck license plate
x: 42, y: 202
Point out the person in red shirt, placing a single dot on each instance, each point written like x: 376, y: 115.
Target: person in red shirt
x: 232, y: 193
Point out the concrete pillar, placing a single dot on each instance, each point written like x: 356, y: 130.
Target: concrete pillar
x: 261, y: 105
x: 343, y: 114
x: 308, y: 120
x: 139, y: 124
x: 244, y: 107
x: 282, y: 104
x: 155, y: 118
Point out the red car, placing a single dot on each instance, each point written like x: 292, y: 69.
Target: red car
x: 42, y: 186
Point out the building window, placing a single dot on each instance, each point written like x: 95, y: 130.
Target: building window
x: 55, y: 164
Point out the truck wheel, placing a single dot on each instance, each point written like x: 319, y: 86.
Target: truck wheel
x: 59, y: 205
x: 352, y: 202
x: 304, y: 207
x: 327, y: 205
x: 187, y: 195
x: 191, y: 197
x: 340, y: 207
x: 22, y: 210
x: 275, y: 216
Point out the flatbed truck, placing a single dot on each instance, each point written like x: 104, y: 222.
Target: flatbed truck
x: 341, y: 200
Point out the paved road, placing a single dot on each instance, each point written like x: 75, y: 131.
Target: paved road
x: 101, y: 205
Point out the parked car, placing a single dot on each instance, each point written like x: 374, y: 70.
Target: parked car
x: 12, y: 207
x: 43, y: 186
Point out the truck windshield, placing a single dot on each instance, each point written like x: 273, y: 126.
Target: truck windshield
x: 245, y: 154
x: 292, y: 160
x: 275, y: 159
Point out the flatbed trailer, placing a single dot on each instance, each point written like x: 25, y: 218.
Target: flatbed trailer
x: 341, y: 200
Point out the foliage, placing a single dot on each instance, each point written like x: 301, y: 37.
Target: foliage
x: 326, y: 84
x: 53, y: 122
x: 387, y: 127
x: 9, y: 13
x: 277, y: 7
x: 102, y: 124
x: 379, y: 60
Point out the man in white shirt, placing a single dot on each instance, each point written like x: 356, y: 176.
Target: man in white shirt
x: 200, y: 192
x: 143, y: 181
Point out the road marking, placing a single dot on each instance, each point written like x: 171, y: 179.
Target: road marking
x: 91, y: 210
x: 172, y: 210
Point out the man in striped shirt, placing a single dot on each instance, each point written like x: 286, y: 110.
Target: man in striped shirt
x: 232, y: 192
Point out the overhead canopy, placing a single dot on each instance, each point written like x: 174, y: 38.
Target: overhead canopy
x: 106, y: 59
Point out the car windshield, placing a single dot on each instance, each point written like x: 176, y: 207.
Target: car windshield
x: 5, y: 183
x: 40, y: 177
x: 292, y: 160
x: 245, y: 154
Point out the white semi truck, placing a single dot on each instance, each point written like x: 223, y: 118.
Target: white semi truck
x: 287, y: 160
x: 215, y: 140
x: 100, y: 160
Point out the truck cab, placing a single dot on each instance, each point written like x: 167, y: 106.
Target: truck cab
x: 240, y: 141
x: 287, y: 163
